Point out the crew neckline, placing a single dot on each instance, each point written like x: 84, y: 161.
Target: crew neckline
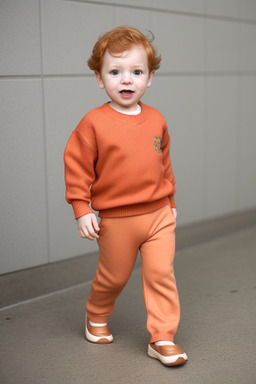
x: 131, y: 119
x: 130, y: 113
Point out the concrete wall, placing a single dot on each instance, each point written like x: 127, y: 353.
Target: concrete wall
x: 206, y: 89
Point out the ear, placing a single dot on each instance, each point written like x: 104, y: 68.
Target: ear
x: 150, y: 78
x: 99, y: 80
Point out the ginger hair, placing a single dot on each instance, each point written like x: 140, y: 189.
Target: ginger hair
x: 121, y: 39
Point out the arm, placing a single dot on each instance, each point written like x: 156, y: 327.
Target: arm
x: 79, y: 159
x: 165, y: 146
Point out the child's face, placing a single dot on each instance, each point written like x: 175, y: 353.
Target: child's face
x: 125, y: 77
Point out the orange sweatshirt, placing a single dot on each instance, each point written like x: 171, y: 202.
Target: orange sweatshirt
x: 119, y: 163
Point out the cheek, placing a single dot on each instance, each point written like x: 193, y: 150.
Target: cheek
x: 143, y: 85
x: 111, y: 84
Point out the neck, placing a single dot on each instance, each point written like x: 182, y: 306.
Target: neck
x: 124, y: 110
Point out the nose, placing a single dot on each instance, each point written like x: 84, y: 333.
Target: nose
x: 126, y: 78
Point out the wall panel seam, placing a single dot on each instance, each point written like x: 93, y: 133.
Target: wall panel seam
x: 164, y: 10
x: 160, y: 74
x: 44, y: 134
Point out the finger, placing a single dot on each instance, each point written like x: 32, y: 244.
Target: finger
x: 92, y: 233
x: 82, y: 234
x: 174, y: 211
x: 85, y: 235
x: 95, y: 224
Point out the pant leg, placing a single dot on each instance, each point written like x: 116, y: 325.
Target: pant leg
x: 159, y: 285
x: 118, y: 246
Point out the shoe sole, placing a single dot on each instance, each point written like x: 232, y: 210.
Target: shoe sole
x: 169, y: 361
x: 97, y: 339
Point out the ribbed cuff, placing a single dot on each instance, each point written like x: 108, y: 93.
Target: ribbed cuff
x: 161, y: 336
x: 80, y: 208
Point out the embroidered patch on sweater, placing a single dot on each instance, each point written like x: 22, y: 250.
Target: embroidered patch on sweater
x: 157, y: 142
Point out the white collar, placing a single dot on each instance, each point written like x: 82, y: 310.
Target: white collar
x: 137, y: 112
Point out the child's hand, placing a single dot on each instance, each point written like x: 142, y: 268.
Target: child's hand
x: 88, y: 226
x: 175, y: 214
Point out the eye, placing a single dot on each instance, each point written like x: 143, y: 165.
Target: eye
x: 114, y: 72
x: 137, y: 72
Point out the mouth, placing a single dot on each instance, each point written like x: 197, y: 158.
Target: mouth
x: 126, y: 92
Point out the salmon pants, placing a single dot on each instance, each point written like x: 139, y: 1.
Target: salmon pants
x: 153, y: 234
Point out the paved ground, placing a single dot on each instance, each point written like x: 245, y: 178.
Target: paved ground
x: 42, y: 341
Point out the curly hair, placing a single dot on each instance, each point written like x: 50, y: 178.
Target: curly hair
x: 121, y: 39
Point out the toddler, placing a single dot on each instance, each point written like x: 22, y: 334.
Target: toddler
x: 118, y: 161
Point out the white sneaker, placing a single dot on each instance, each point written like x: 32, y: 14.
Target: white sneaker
x: 170, y: 355
x: 97, y: 334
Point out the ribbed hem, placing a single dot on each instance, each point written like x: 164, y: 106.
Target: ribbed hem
x: 97, y: 318
x: 161, y: 336
x: 80, y: 208
x: 172, y: 201
x: 134, y: 210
